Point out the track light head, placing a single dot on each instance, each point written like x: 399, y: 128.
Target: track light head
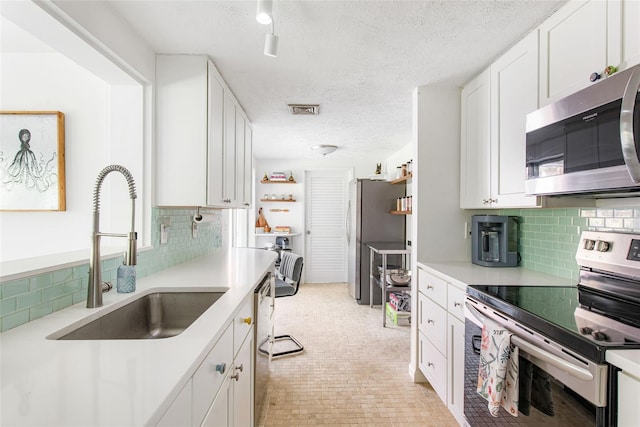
x: 264, y: 14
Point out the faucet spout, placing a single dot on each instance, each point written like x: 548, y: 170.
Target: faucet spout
x: 94, y: 293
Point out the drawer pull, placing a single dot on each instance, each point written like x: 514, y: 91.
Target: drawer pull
x: 235, y: 376
x: 431, y: 365
x: 429, y: 286
x: 431, y: 321
x: 240, y: 368
x: 247, y: 320
x: 457, y: 304
x: 221, y: 367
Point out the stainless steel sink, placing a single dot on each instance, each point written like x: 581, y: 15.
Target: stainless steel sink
x: 152, y: 316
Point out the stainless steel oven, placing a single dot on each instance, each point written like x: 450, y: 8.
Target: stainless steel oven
x: 586, y: 142
x: 562, y: 334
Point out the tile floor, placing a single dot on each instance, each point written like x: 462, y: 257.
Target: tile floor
x: 352, y: 372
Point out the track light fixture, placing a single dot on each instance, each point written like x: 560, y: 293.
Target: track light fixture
x: 264, y: 14
x: 271, y: 43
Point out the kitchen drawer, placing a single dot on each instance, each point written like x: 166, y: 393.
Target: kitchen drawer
x: 433, y: 365
x: 455, y: 301
x: 433, y: 287
x: 432, y: 321
x: 207, y: 380
x: 242, y: 323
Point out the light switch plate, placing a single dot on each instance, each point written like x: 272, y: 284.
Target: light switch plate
x: 164, y: 234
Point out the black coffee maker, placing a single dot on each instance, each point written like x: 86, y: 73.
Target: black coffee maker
x: 494, y: 241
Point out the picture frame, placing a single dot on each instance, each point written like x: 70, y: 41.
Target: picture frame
x: 32, y: 161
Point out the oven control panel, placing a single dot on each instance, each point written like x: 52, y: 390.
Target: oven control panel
x: 615, y: 252
x: 634, y: 250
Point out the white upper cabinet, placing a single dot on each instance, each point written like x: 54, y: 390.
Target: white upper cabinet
x: 215, y: 143
x: 229, y: 150
x: 475, y: 154
x: 197, y: 138
x: 630, y: 50
x: 248, y: 163
x: 585, y: 37
x: 514, y: 94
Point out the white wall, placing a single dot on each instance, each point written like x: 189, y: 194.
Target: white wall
x: 398, y: 159
x: 101, y: 78
x: 437, y: 220
x: 51, y: 82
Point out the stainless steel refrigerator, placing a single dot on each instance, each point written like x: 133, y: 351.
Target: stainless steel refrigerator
x: 370, y: 220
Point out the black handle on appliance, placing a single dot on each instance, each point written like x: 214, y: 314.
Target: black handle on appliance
x: 485, y: 243
x: 476, y: 342
x: 627, y: 137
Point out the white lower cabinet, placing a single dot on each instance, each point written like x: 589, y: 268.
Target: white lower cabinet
x: 220, y: 392
x: 455, y: 367
x: 628, y: 392
x: 242, y: 386
x: 211, y: 374
x: 179, y: 413
x: 233, y: 406
x: 441, y: 338
x: 219, y: 414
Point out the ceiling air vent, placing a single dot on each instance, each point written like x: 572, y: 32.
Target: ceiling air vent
x: 304, y: 109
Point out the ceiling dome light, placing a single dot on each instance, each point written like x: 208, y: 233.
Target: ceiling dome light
x: 324, y: 149
x: 264, y: 12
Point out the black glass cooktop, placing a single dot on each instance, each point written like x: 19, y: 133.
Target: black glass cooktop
x: 550, y: 311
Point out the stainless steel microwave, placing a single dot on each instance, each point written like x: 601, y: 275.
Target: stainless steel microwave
x: 588, y: 142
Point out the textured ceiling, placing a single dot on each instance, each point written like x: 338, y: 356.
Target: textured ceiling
x: 360, y: 60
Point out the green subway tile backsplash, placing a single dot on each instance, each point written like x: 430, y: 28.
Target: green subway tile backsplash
x: 30, y: 298
x: 548, y: 238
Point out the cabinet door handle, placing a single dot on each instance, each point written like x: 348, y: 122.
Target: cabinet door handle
x: 247, y: 320
x: 431, y: 321
x: 457, y: 304
x: 240, y: 368
x: 429, y: 286
x: 221, y: 367
x: 431, y: 365
x: 235, y: 376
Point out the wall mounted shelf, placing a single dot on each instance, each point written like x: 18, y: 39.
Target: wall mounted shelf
x: 402, y: 179
x: 278, y: 234
x: 278, y: 200
x: 278, y: 182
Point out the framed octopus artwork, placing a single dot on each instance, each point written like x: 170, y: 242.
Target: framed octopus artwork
x: 32, y: 161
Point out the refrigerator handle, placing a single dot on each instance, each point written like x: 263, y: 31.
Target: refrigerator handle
x: 347, y: 222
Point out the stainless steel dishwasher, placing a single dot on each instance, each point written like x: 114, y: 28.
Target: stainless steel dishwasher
x: 263, y: 305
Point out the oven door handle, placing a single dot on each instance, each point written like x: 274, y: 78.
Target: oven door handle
x: 627, y: 139
x: 545, y: 356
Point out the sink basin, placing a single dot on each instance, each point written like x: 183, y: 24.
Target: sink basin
x: 152, y: 316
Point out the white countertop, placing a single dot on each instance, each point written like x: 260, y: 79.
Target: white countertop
x: 463, y: 273
x: 120, y: 382
x: 627, y: 360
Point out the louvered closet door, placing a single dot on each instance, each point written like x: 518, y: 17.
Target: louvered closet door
x: 326, y: 241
